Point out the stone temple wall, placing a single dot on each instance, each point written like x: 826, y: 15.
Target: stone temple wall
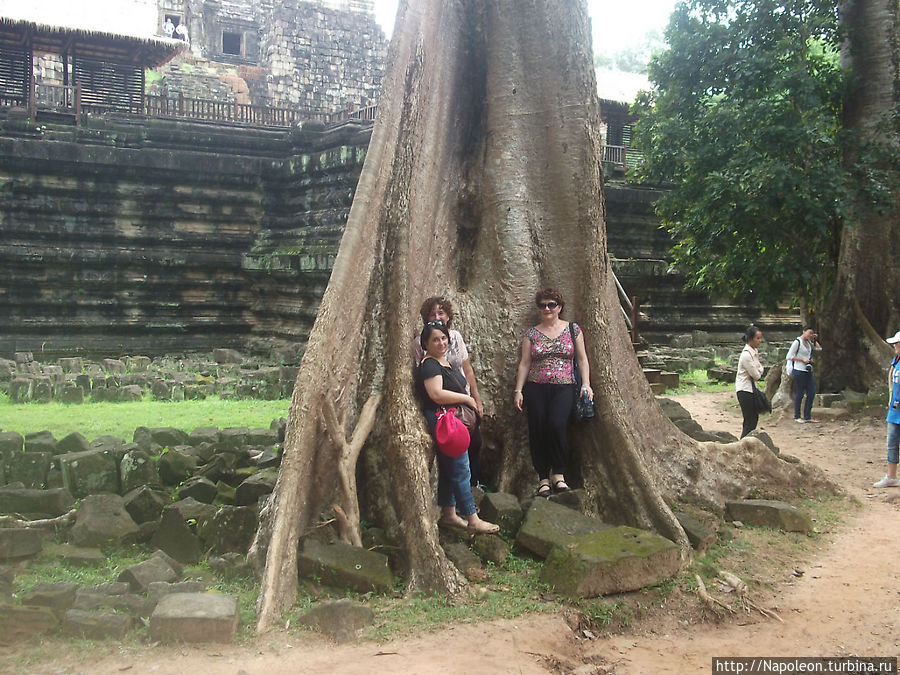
x: 167, y: 236
x: 305, y: 50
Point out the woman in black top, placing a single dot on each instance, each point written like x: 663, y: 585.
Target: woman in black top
x: 443, y: 386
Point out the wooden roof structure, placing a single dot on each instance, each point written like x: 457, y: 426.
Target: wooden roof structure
x: 94, y: 45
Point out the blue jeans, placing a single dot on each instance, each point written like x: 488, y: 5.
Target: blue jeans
x: 804, y: 383
x: 453, y: 483
x: 893, y: 443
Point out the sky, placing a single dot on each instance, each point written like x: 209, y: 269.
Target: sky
x: 616, y: 24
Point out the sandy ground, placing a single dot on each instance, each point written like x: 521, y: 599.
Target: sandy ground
x: 846, y: 603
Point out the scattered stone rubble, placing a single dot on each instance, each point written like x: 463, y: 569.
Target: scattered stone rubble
x: 226, y: 373
x: 196, y: 496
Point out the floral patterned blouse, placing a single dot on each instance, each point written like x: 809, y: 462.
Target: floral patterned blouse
x: 552, y: 360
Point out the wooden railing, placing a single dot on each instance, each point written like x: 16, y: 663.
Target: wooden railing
x: 68, y: 99
x: 622, y: 157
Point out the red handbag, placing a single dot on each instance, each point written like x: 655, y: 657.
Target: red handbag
x: 450, y: 434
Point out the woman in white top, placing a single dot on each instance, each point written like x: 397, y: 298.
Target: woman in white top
x: 748, y: 373
x: 799, y: 365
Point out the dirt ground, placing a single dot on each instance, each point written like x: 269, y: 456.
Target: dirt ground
x: 845, y: 601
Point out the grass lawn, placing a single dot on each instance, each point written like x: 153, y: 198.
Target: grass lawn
x: 121, y: 419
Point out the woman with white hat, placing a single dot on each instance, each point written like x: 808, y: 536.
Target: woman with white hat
x: 893, y: 418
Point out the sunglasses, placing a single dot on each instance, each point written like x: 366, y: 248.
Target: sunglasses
x: 435, y: 323
x: 548, y: 305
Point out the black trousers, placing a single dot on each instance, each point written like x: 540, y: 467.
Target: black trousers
x: 748, y: 410
x: 548, y: 407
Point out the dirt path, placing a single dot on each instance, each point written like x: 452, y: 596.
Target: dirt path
x: 847, y: 602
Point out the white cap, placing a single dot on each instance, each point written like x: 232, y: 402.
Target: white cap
x: 895, y: 338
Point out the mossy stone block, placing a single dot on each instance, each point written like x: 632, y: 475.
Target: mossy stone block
x: 769, y: 513
x: 90, y: 472
x: 616, y: 560
x: 345, y: 566
x: 548, y: 524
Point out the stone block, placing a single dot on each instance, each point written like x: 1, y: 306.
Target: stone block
x: 21, y: 623
x: 233, y: 438
x: 74, y: 442
x: 76, y: 556
x: 141, y: 575
x: 114, y: 366
x: 20, y: 389
x: 144, y: 504
x: 96, y: 625
x: 84, y: 381
x: 826, y: 400
x: 11, y: 443
x: 202, y: 435
x: 225, y: 493
x: 191, y: 509
x: 175, y: 538
x: 29, y: 468
x: 338, y: 619
x: 161, y: 390
x: 90, y: 472
x: 503, y: 509
x: 227, y: 356
x: 57, y: 596
x: 658, y: 388
x: 138, y: 469
x: 130, y: 603
x: 200, y: 488
x: 128, y: 393
x: 102, y: 519
x: 137, y: 364
x: 266, y: 437
x: 175, y: 466
x: 156, y: 590
x: 230, y: 566
x: 194, y: 617
x: 258, y: 485
x: 41, y: 389
x: 548, y: 524
x: 652, y: 375
x: 19, y: 543
x: 344, y: 566
x: 40, y: 441
x: 46, y: 503
x: 616, y: 560
x: 231, y: 529
x: 73, y: 364
x: 768, y: 513
x: 669, y: 379
x: 465, y: 561
x: 700, y: 536
x: 491, y: 548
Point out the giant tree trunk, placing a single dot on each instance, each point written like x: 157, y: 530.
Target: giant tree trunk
x: 482, y: 181
x: 865, y: 304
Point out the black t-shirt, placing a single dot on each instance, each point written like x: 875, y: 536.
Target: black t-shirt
x: 451, y: 381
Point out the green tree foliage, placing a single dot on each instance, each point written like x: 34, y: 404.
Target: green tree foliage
x: 745, y: 124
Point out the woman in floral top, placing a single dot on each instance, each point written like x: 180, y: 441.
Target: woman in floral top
x: 544, y: 383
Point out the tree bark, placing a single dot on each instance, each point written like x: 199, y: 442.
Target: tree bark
x: 864, y: 306
x: 482, y: 181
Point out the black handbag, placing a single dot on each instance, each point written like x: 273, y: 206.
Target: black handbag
x: 583, y: 409
x: 760, y: 400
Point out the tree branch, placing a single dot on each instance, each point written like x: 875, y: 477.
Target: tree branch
x: 348, y: 512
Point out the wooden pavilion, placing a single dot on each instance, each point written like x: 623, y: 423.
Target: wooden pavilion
x: 100, y: 69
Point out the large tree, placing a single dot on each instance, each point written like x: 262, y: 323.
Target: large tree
x: 744, y: 124
x: 865, y: 304
x: 482, y: 180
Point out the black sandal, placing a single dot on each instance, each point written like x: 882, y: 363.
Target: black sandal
x: 543, y: 490
x: 564, y: 488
